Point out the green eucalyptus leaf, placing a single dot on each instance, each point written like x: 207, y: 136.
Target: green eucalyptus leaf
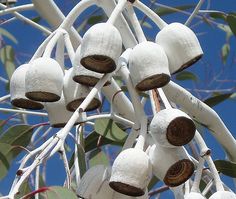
x: 7, y: 56
x: 218, y: 15
x: 231, y: 19
x: 108, y: 128
x: 225, y: 52
x: 217, y: 98
x: 186, y: 75
x: 95, y: 19
x: 166, y: 11
x: 8, y: 35
x: 82, y: 161
x: 98, y: 157
x: 56, y: 192
x: 36, y: 19
x: 24, y: 190
x: 226, y: 167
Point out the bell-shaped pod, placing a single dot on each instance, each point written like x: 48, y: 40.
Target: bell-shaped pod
x: 172, y: 165
x: 131, y: 172
x: 172, y: 127
x: 148, y: 65
x: 223, y: 195
x: 75, y: 94
x: 17, y: 90
x: 44, y: 80
x: 101, y: 47
x: 57, y: 113
x: 181, y: 46
x: 84, y: 76
x: 194, y: 195
x: 95, y: 184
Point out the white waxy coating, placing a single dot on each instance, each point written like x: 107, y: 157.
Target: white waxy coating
x: 132, y: 167
x: 102, y: 39
x: 44, y: 76
x: 180, y: 44
x: 182, y: 128
x: 148, y: 65
x: 223, y: 195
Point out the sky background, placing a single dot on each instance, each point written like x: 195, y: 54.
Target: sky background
x: 210, y: 37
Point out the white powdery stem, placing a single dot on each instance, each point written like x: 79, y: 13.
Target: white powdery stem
x: 187, y: 187
x: 208, y: 187
x: 135, y: 23
x: 75, y: 12
x: 66, y: 165
x: 36, y: 186
x: 164, y: 98
x: 117, y: 11
x: 204, y: 150
x: 198, y: 175
x: 218, y: 183
x: 130, y: 139
x: 60, y: 50
x: 202, y: 113
x: 194, y: 13
x: 28, y: 21
x: 17, y: 8
x: 150, y: 13
x: 4, y: 98
x: 24, y: 112
x: 36, y: 132
x: 69, y: 47
x: 51, y: 44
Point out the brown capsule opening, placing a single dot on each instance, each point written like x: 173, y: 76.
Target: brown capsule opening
x: 126, y: 189
x: 180, y: 131
x: 42, y: 96
x: 27, y: 104
x: 99, y: 63
x: 72, y: 106
x: 189, y: 63
x: 88, y: 80
x: 152, y: 82
x: 179, y: 172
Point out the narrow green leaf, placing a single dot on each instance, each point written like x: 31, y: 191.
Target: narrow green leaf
x: 7, y: 34
x: 59, y: 193
x: 226, y: 29
x: 98, y: 157
x: 166, y: 11
x: 92, y: 139
x: 186, y: 75
x: 7, y: 56
x: 95, y: 19
x: 24, y: 190
x: 225, y: 52
x: 216, y: 99
x: 147, y: 25
x: 218, y: 15
x: 82, y: 161
x: 231, y: 19
x: 36, y: 19
x: 109, y: 129
x: 226, y: 167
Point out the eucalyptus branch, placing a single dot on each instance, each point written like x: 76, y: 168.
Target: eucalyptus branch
x: 17, y: 9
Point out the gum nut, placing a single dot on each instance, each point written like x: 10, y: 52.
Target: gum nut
x: 101, y: 47
x: 223, y: 195
x: 194, y: 195
x: 44, y: 80
x: 17, y: 90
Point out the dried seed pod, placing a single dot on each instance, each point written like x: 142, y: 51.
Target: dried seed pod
x: 101, y: 47
x: 17, y: 90
x: 84, y: 76
x: 131, y: 172
x: 194, y: 195
x: 44, y: 80
x: 57, y: 113
x: 94, y: 183
x: 75, y: 94
x: 223, y: 194
x: 181, y: 46
x: 148, y: 65
x: 171, y: 165
x: 172, y: 127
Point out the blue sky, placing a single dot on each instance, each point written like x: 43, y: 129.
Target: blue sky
x: 210, y: 37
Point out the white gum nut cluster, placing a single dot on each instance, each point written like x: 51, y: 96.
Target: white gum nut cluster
x: 194, y: 195
x: 148, y: 65
x: 75, y: 93
x: 44, y: 80
x: 101, y: 47
x: 95, y: 183
x: 17, y: 90
x: 131, y: 172
x: 171, y: 165
x: 223, y: 195
x: 57, y: 113
x: 172, y: 127
x: 181, y: 46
